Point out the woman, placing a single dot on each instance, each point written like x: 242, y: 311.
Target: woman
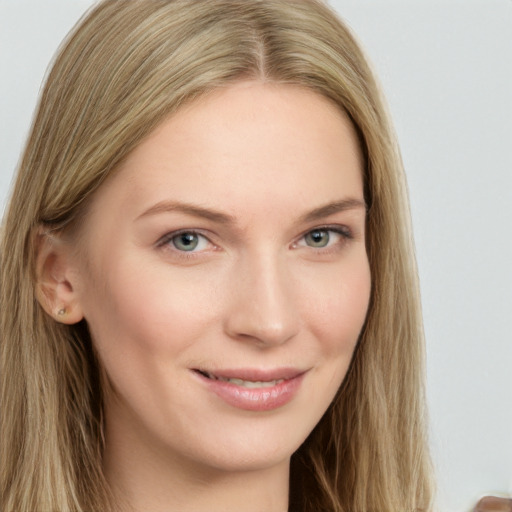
x: 209, y: 296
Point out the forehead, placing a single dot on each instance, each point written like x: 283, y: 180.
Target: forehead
x: 250, y: 146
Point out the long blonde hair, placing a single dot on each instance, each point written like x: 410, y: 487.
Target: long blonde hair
x: 127, y: 66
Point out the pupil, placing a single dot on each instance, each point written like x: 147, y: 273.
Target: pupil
x: 186, y: 241
x: 318, y: 238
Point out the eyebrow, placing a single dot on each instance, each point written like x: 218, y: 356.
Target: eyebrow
x: 189, y: 209
x: 332, y: 208
x: 224, y: 218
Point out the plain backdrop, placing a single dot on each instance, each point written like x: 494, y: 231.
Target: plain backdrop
x: 446, y: 68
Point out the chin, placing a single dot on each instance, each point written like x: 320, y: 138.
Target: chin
x: 254, y: 449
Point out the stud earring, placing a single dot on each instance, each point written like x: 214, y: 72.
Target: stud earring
x: 61, y: 312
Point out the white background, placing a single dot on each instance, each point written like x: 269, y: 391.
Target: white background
x: 446, y: 67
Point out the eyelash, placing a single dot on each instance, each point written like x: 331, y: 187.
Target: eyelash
x: 166, y: 242
x: 344, y: 232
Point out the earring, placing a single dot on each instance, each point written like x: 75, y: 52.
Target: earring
x: 61, y: 312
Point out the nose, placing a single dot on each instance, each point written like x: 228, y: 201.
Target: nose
x: 263, y: 303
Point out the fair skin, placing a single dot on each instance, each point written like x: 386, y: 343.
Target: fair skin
x: 229, y: 244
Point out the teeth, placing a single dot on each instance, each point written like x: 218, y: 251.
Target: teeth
x: 246, y: 383
x: 251, y: 384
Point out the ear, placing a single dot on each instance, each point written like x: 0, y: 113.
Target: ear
x: 56, y: 277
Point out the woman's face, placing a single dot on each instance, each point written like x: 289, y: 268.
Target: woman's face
x: 224, y: 278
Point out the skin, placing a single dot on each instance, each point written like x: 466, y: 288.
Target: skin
x: 254, y: 293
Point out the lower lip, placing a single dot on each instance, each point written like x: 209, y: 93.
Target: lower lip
x: 255, y: 399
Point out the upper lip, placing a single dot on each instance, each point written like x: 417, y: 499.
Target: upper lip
x: 254, y: 374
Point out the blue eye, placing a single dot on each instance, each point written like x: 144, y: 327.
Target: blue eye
x: 318, y: 238
x: 325, y: 237
x: 189, y: 241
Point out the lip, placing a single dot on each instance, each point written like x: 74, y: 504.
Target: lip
x: 258, y: 398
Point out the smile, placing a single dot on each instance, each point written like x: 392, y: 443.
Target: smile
x: 245, y: 383
x: 253, y: 390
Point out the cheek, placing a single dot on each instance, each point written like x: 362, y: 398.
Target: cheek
x: 149, y: 306
x: 335, y: 313
x: 145, y: 323
x: 336, y: 308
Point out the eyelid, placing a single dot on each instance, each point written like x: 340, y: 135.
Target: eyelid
x: 165, y: 241
x: 344, y: 231
x: 337, y: 228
